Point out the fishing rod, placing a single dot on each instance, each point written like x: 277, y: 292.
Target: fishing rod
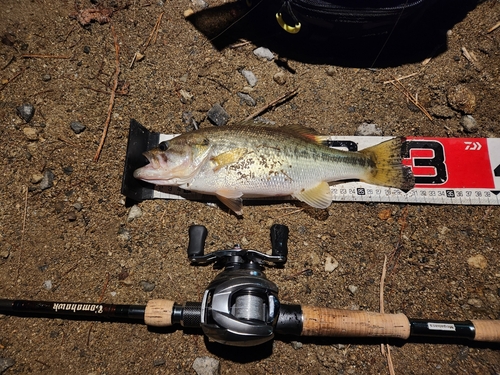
x: 240, y: 307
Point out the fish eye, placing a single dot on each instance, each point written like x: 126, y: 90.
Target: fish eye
x: 163, y: 146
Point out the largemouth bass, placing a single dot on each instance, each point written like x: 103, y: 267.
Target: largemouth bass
x: 249, y: 160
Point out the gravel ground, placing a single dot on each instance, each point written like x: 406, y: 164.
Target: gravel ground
x: 65, y: 232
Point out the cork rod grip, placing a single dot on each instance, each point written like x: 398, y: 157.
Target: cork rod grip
x: 319, y: 321
x: 158, y: 313
x: 487, y: 330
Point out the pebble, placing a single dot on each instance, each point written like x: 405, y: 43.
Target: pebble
x: 78, y: 206
x: 441, y: 111
x: 462, y: 99
x: 352, y: 288
x: 264, y: 53
x: 147, y: 286
x: 206, y: 366
x: 186, y: 97
x: 5, y: 363
x: 124, y: 234
x: 72, y: 216
x: 468, y: 123
x: 26, y: 112
x: 250, y: 77
x: 296, y: 345
x: 159, y: 362
x: 134, y: 213
x: 190, y: 121
x: 86, y: 49
x: 30, y: 133
x: 47, y: 284
x: 218, y: 115
x: 47, y: 180
x: 77, y: 127
x: 36, y: 178
x: 4, y: 253
x: 478, y: 261
x: 366, y: 129
x: 247, y: 99
x: 476, y: 302
x: 331, y: 264
x: 279, y: 78
x: 46, y: 77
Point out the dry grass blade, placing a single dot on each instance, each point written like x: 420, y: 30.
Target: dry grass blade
x: 398, y: 85
x: 385, y: 348
x: 42, y: 56
x: 112, y: 97
x: 494, y: 27
x: 152, y: 36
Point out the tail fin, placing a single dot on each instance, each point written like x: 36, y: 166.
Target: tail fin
x: 388, y: 169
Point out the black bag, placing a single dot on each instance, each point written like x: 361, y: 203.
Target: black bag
x: 349, y: 17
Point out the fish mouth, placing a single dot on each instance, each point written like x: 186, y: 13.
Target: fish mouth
x: 152, y: 172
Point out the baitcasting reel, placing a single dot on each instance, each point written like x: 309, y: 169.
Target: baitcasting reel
x: 240, y: 306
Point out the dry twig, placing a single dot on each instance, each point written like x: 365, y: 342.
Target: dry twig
x: 385, y: 348
x: 267, y: 106
x: 154, y: 34
x: 22, y: 230
x: 42, y: 56
x: 112, y: 96
x: 395, y: 82
x: 494, y: 27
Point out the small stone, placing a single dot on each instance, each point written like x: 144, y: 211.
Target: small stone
x: 134, y: 213
x: 30, y: 133
x: 46, y: 77
x: 385, y: 214
x: 279, y: 78
x: 218, y: 115
x: 47, y: 180
x: 147, y: 286
x: 331, y: 70
x: 441, y: 111
x: 478, y: 261
x: 124, y: 234
x: 206, y: 366
x: 36, y: 178
x: 331, y: 264
x: 68, y: 170
x: 250, y: 77
x: 199, y: 4
x: 77, y: 127
x: 186, y: 97
x: 366, y: 129
x: 4, y: 253
x: 159, y: 362
x: 476, y: 302
x: 26, y: 112
x: 462, y: 99
x: 86, y: 49
x: 47, y: 284
x: 468, y: 123
x: 264, y: 53
x: 5, y: 363
x: 72, y: 216
x: 78, y: 206
x: 296, y: 345
x: 247, y: 99
x: 352, y: 288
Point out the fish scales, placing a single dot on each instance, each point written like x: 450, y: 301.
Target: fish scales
x: 253, y: 160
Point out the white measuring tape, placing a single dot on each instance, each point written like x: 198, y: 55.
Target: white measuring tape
x: 463, y: 171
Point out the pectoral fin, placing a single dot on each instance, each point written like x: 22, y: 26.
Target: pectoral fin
x: 319, y: 196
x: 228, y: 158
x: 232, y: 199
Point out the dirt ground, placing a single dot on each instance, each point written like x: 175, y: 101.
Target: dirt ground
x: 72, y: 240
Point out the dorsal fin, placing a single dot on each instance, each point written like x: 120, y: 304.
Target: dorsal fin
x: 305, y: 133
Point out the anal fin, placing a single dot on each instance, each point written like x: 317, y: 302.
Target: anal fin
x: 319, y: 196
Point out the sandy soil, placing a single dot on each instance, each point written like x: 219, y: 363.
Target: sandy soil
x: 73, y: 242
